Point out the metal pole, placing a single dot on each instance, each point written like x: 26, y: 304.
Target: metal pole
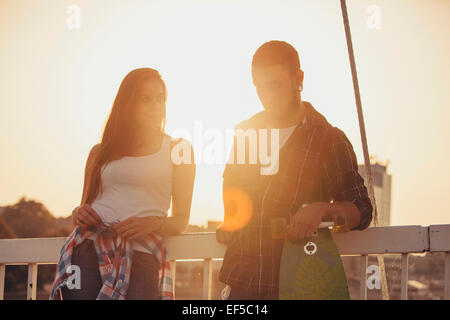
x: 362, y: 129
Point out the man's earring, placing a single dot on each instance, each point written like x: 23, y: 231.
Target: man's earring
x: 301, y: 88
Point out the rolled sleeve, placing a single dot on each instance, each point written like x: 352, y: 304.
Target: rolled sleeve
x: 342, y: 178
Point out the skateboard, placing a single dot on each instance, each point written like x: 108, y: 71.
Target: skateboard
x: 312, y: 269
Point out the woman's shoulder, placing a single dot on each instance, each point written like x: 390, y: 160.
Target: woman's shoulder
x: 94, y: 151
x: 92, y: 155
x: 176, y: 140
x: 180, y: 147
x: 95, y: 148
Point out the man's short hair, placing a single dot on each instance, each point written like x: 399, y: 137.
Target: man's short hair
x: 276, y: 52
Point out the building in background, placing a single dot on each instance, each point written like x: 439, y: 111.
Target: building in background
x: 382, y: 188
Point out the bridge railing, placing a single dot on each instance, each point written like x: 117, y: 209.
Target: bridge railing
x: 402, y: 240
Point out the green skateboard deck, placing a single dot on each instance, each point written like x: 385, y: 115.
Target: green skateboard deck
x: 312, y: 269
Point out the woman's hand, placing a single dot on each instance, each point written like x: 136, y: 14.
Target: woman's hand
x: 136, y: 227
x: 85, y: 217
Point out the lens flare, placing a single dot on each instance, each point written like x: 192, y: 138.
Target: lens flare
x: 238, y: 208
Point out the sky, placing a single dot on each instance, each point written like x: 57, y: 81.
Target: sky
x: 58, y: 81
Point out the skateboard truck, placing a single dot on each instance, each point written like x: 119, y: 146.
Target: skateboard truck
x: 324, y: 224
x: 279, y: 225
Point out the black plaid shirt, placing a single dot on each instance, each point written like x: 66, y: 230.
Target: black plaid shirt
x: 317, y: 163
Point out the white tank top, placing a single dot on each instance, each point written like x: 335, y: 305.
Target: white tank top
x: 136, y: 186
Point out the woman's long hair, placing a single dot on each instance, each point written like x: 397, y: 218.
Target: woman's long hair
x: 120, y: 133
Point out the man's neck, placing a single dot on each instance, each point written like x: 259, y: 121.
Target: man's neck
x: 291, y: 119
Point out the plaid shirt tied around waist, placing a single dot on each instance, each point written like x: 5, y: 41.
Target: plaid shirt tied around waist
x: 316, y: 164
x: 114, y: 256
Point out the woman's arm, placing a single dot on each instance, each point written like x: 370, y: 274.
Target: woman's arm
x: 182, y: 188
x: 90, y: 216
x: 88, y: 172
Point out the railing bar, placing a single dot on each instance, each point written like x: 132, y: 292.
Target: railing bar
x: 33, y: 252
x: 2, y: 281
x: 207, y: 279
x: 363, y: 276
x: 404, y: 283
x: 32, y: 281
x: 447, y: 276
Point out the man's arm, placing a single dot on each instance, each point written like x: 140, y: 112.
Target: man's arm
x: 343, y: 213
x: 342, y: 182
x: 345, y: 184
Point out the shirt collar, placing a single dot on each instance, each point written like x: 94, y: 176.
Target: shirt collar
x: 312, y: 119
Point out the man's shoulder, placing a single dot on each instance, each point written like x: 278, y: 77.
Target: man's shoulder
x: 320, y: 123
x: 315, y: 118
x: 336, y: 135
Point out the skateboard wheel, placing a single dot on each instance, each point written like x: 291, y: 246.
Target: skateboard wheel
x: 310, y: 248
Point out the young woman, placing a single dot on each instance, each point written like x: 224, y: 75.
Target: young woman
x: 117, y: 245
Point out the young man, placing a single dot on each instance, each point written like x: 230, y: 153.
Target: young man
x: 317, y: 168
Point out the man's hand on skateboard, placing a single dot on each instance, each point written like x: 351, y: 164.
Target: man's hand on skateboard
x: 306, y: 221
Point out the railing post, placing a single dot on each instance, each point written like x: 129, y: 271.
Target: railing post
x: 447, y: 276
x: 363, y: 278
x: 404, y: 283
x: 32, y: 281
x: 173, y: 270
x: 2, y: 281
x: 207, y: 277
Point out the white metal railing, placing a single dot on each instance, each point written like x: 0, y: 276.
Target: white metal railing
x: 377, y: 240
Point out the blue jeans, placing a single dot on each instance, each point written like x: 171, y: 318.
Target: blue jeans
x: 144, y: 277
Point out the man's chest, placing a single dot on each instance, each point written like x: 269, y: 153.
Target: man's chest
x: 298, y: 176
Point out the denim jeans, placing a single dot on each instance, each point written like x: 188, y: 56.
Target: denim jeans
x: 144, y: 279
